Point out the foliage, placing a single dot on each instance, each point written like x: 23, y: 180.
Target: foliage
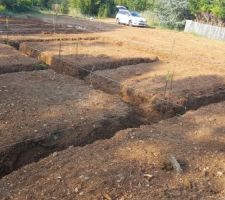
x: 2, y: 8
x: 172, y: 13
x: 139, y: 5
x: 16, y: 5
x: 106, y: 8
x: 208, y: 10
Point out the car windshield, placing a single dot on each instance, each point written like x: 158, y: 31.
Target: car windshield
x: 135, y: 14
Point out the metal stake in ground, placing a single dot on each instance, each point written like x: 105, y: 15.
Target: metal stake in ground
x: 91, y: 75
x: 7, y: 30
x: 166, y: 83
x: 171, y: 81
x: 53, y: 22
x: 60, y: 46
x: 77, y: 46
x: 173, y: 46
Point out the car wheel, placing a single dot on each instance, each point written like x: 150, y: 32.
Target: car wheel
x: 117, y: 21
x: 130, y: 23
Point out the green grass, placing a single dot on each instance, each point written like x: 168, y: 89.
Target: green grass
x: 41, y: 66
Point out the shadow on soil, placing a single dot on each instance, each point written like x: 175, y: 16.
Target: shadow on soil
x: 27, y: 152
x: 136, y: 162
x: 64, y: 126
x: 161, y: 102
x: 146, y: 151
x: 82, y: 65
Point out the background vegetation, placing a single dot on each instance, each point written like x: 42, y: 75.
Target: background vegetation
x: 170, y: 13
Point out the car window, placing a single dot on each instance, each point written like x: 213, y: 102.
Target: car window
x: 135, y: 14
x: 127, y: 13
x: 121, y: 12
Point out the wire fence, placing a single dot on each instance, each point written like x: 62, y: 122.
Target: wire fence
x: 210, y: 31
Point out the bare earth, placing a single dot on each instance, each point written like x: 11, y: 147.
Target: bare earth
x: 14, y: 61
x: 135, y: 164
x: 197, y: 74
x: 49, y: 122
x: 76, y: 58
x: 41, y: 112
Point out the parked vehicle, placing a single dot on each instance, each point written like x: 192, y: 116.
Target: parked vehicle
x: 121, y: 7
x: 131, y: 18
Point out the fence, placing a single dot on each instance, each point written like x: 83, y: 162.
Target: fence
x: 209, y: 31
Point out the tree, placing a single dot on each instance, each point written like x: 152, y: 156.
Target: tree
x: 17, y: 5
x: 172, y: 13
x: 209, y: 11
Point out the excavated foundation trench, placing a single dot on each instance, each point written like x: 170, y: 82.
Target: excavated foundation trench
x: 26, y: 152
x: 155, y: 109
x: 29, y: 151
x: 32, y: 150
x: 73, y: 66
x: 16, y: 43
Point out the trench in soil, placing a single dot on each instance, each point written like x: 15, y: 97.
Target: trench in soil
x: 166, y: 109
x: 31, y: 151
x: 16, y: 43
x: 77, y: 69
x: 21, y: 27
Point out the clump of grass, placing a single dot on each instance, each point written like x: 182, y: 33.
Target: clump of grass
x: 41, y: 66
x: 168, y: 81
x: 151, y: 18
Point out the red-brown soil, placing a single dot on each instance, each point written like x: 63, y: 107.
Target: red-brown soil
x: 42, y: 111
x: 146, y: 85
x: 12, y: 60
x: 78, y: 58
x: 135, y: 164
x: 33, y: 26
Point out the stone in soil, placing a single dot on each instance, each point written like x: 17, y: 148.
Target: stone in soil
x: 42, y: 112
x: 134, y: 164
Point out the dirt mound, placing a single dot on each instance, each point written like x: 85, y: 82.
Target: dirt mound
x: 41, y: 112
x: 78, y: 58
x: 163, y: 89
x: 14, y: 61
x: 135, y: 164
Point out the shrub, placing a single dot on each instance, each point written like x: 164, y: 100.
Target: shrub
x: 2, y: 8
x: 172, y: 13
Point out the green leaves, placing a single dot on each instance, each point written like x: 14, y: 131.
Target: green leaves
x: 106, y: 8
x: 172, y: 13
x: 215, y: 7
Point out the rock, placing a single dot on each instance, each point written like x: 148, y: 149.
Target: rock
x: 175, y: 164
x: 76, y: 190
x: 54, y: 154
x: 219, y: 173
x: 107, y: 197
x: 148, y: 176
x: 81, y: 193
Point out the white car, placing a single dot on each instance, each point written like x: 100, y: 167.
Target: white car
x: 131, y: 18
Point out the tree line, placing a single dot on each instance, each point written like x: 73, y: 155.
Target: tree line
x: 171, y: 13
